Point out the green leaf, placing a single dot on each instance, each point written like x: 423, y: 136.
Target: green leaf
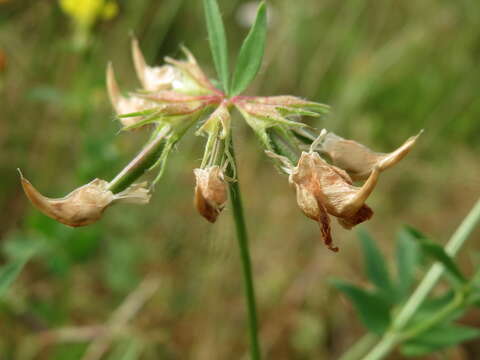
x: 218, y: 41
x: 251, y: 53
x: 373, y: 310
x: 408, y: 256
x: 439, y: 338
x: 438, y: 253
x: 126, y: 350
x: 375, y: 266
x: 10, y: 271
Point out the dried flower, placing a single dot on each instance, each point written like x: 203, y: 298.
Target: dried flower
x: 357, y: 159
x: 86, y: 204
x: 324, y: 189
x: 210, y: 192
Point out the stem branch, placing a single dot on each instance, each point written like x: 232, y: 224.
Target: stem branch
x: 392, y: 337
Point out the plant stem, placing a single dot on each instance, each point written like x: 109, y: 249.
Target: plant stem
x: 140, y: 164
x: 360, y: 347
x: 393, y: 336
x: 242, y: 238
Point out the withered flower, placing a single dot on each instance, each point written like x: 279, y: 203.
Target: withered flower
x: 357, y: 159
x: 125, y: 105
x: 323, y: 189
x: 210, y: 192
x: 86, y: 204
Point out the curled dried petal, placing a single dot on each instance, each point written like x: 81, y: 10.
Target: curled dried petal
x: 153, y: 78
x: 357, y: 159
x: 324, y: 189
x: 86, y: 204
x: 124, y: 105
x: 210, y: 192
x: 191, y: 68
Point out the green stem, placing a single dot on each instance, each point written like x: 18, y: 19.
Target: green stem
x: 242, y: 238
x: 393, y: 336
x: 140, y: 164
x: 437, y: 318
x: 360, y: 348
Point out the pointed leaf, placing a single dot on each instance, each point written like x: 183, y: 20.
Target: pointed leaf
x: 251, y: 53
x: 438, y: 253
x: 439, y: 338
x: 217, y: 40
x: 375, y: 266
x: 373, y: 310
x: 408, y: 258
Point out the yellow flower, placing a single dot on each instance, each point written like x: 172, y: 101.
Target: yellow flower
x: 86, y: 12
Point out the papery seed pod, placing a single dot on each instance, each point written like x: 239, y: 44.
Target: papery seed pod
x: 357, y: 159
x: 210, y: 192
x: 86, y: 204
x: 332, y: 189
x: 124, y: 105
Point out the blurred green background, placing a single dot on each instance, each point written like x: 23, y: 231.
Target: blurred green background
x: 388, y: 69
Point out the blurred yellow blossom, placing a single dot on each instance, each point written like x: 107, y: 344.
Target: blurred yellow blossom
x: 86, y: 12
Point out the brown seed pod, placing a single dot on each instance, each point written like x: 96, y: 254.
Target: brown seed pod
x: 210, y: 192
x: 84, y: 205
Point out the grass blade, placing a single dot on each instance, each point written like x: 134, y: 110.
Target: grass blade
x: 9, y: 272
x: 251, y: 53
x: 218, y: 41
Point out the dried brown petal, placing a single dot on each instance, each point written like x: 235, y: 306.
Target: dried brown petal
x: 357, y: 159
x: 191, y: 68
x: 325, y: 189
x: 124, y: 105
x: 84, y: 205
x: 210, y: 192
x: 154, y: 78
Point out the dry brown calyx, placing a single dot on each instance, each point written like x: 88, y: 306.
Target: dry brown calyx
x: 210, y: 192
x: 357, y: 159
x: 86, y: 204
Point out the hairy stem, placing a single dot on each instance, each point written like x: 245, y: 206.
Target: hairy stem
x: 242, y: 237
x: 393, y: 336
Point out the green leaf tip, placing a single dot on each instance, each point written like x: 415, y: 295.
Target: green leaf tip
x: 251, y: 53
x: 218, y: 41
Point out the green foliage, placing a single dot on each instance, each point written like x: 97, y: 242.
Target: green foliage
x: 372, y: 308
x: 432, y: 326
x: 408, y: 255
x: 218, y: 41
x: 375, y: 266
x: 126, y: 350
x: 251, y: 53
x: 437, y: 253
x: 438, y: 338
x: 9, y: 272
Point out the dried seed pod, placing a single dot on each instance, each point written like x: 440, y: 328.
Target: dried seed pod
x: 357, y: 159
x: 86, y: 204
x: 323, y: 189
x: 210, y: 192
